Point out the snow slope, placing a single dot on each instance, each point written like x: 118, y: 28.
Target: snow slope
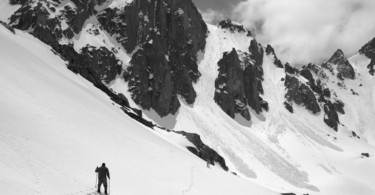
x: 287, y: 152
x: 56, y: 127
x: 278, y: 150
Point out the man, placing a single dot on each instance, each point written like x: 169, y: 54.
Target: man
x: 103, y: 173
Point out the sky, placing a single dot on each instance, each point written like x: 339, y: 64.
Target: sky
x: 214, y: 11
x: 301, y: 31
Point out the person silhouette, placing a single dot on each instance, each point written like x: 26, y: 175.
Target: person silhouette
x: 103, y: 173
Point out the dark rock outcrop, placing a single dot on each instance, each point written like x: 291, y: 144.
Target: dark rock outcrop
x: 203, y: 151
x: 367, y: 155
x: 11, y: 29
x: 276, y: 61
x: 289, y: 69
x: 44, y: 23
x: 150, y: 83
x: 36, y: 19
x: 289, y: 107
x: 103, y: 62
x: 167, y: 36
x: 228, y: 24
x: 343, y: 66
x: 77, y: 63
x: 230, y: 89
x: 305, y: 72
x: 324, y: 94
x: 369, y: 51
x: 301, y: 94
x: 239, y: 83
x: 371, y: 67
x: 331, y: 117
x: 339, y: 107
x: 253, y: 77
x: 17, y: 2
x: 163, y: 36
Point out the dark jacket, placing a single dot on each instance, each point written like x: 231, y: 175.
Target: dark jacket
x: 102, y: 172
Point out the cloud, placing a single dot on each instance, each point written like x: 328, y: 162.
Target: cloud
x: 304, y: 31
x: 213, y: 16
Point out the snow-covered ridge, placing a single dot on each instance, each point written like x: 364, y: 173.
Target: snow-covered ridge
x: 277, y: 149
x: 57, y: 127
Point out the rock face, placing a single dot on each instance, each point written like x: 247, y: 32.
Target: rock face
x: 343, y: 67
x: 230, y: 92
x: 331, y: 117
x: 203, y: 151
x: 36, y: 19
x: 314, y: 95
x: 165, y: 37
x: 15, y: 2
x: 371, y: 67
x: 102, y: 62
x: 228, y: 24
x: 276, y: 61
x: 44, y: 21
x: 301, y: 94
x: 239, y: 83
x: 369, y: 51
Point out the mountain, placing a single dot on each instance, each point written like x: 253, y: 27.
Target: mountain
x: 305, y: 130
x: 57, y: 127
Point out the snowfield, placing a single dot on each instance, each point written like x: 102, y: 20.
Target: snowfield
x: 283, y: 151
x: 56, y: 127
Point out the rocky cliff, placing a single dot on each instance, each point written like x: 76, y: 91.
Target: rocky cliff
x: 340, y: 64
x: 165, y: 37
x: 308, y: 86
x: 239, y: 83
x: 369, y: 51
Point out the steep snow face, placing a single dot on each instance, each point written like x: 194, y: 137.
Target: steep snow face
x: 56, y: 127
x: 278, y: 149
x: 360, y: 98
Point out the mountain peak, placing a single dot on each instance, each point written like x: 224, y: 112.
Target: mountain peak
x: 344, y: 68
x: 271, y: 51
x: 233, y: 27
x: 337, y: 56
x: 369, y: 49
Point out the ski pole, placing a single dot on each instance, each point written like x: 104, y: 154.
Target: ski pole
x: 96, y: 180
